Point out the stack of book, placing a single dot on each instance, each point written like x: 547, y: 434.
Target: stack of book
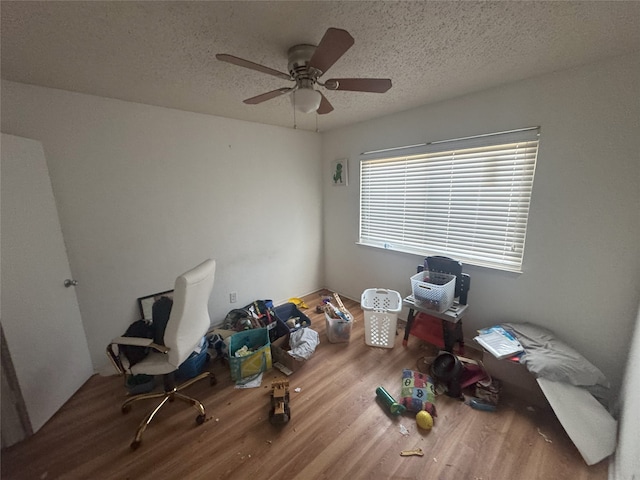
x: 499, y: 342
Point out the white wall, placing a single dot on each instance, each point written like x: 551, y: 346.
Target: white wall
x: 145, y: 193
x: 582, y: 261
x: 626, y: 463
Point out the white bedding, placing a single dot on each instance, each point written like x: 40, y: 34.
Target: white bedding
x: 550, y: 358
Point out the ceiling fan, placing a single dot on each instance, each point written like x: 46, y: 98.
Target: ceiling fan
x: 307, y: 63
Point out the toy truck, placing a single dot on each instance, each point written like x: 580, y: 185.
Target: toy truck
x: 280, y: 412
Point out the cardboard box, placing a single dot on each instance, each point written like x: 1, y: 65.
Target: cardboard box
x: 515, y: 380
x: 281, y: 358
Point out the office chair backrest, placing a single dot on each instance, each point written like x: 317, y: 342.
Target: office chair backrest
x: 189, y: 319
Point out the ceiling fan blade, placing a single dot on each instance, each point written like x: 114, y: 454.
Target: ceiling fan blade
x: 267, y: 96
x: 325, y: 106
x: 375, y: 85
x: 333, y: 45
x: 253, y: 66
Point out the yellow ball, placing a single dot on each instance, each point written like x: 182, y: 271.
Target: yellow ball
x: 424, y: 420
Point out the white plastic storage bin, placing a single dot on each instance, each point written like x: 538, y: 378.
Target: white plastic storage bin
x: 338, y: 330
x: 433, y: 290
x: 381, y: 308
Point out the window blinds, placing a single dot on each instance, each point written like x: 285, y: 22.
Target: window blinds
x: 466, y: 198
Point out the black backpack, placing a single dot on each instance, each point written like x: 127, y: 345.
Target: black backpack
x: 134, y: 353
x: 141, y: 328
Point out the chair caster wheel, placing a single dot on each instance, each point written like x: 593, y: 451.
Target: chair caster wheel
x: 135, y: 444
x: 200, y: 419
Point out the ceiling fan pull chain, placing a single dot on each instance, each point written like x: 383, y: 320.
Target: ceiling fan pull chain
x: 295, y: 125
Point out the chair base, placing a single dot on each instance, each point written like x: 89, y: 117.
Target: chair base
x: 171, y: 392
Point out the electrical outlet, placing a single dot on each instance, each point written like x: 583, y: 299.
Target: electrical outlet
x: 233, y: 297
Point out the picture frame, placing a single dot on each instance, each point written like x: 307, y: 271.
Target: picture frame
x: 340, y: 172
x: 145, y: 304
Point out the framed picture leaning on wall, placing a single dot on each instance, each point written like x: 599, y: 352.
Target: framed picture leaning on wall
x: 145, y: 304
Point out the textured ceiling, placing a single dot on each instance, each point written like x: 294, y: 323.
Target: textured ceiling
x: 163, y: 53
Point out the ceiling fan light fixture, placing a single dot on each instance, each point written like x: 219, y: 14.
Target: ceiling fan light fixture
x: 306, y: 100
x: 306, y: 65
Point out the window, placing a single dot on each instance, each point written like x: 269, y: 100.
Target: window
x: 465, y: 198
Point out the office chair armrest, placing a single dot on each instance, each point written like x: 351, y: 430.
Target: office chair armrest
x: 159, y: 348
x: 133, y: 341
x: 140, y: 342
x: 114, y: 354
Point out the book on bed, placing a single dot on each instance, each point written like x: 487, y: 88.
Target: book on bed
x: 499, y: 342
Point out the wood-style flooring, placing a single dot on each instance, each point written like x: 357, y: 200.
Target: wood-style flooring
x: 337, y: 429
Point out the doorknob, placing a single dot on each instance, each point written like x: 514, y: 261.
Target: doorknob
x: 70, y: 283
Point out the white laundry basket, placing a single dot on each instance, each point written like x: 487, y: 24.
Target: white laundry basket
x: 381, y: 308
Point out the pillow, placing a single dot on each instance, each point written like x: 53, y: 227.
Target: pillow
x: 547, y: 357
x: 417, y: 392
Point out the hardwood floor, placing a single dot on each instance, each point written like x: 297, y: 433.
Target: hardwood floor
x: 337, y: 429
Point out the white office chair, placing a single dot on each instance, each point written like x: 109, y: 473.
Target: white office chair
x: 188, y: 322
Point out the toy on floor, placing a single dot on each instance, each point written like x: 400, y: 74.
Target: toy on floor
x: 424, y: 420
x: 394, y: 407
x: 416, y: 451
x: 298, y: 302
x: 479, y: 404
x: 417, y: 392
x: 323, y: 301
x: 280, y: 412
